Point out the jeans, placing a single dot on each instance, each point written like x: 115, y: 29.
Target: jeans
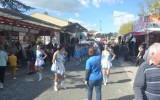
x: 2, y: 74
x: 98, y: 85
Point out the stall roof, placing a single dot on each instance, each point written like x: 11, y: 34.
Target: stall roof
x: 54, y: 20
x: 75, y: 27
x: 22, y: 17
x: 146, y: 24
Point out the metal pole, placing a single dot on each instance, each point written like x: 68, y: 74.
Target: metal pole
x: 100, y: 26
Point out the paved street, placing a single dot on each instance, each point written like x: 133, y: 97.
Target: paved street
x: 26, y: 87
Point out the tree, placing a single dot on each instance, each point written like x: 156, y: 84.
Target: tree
x: 125, y: 28
x: 15, y: 5
x: 150, y: 7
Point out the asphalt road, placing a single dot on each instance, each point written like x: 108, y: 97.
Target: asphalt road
x: 27, y: 87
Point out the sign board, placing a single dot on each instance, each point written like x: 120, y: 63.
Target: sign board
x: 146, y: 24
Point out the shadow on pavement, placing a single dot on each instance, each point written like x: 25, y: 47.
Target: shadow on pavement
x: 71, y: 66
x: 121, y: 81
x: 122, y: 72
x: 26, y: 87
x: 71, y: 76
x: 128, y: 97
x: 76, y: 80
x: 83, y: 86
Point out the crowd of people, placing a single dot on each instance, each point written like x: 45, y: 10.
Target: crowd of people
x: 99, y: 61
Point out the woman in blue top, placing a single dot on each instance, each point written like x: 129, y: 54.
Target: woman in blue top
x: 93, y: 74
x: 3, y: 64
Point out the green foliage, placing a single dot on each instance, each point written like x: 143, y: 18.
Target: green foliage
x: 15, y: 5
x: 125, y: 28
x: 150, y: 7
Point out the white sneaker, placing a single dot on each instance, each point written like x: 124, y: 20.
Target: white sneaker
x: 40, y: 79
x: 55, y: 88
x: 1, y: 85
x: 105, y: 84
x: 14, y: 78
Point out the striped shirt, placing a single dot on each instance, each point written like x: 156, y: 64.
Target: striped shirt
x: 147, y: 82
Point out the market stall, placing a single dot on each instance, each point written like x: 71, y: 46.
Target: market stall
x: 147, y: 29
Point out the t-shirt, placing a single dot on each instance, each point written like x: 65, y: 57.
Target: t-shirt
x: 3, y: 58
x: 13, y: 60
x: 93, y: 64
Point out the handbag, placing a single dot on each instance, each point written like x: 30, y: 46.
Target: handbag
x: 54, y: 67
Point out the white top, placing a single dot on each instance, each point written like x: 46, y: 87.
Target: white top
x: 105, y: 62
x: 59, y: 64
x: 39, y: 54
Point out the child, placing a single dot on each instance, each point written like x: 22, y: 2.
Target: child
x: 13, y: 64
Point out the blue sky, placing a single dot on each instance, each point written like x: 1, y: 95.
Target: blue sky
x: 88, y: 13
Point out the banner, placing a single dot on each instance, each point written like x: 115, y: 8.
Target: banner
x: 146, y: 24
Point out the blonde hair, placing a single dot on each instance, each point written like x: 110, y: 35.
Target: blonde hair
x: 154, y: 53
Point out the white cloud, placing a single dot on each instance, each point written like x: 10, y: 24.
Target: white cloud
x: 58, y: 5
x: 96, y: 3
x: 67, y: 5
x: 113, y: 1
x: 122, y: 17
x: 84, y: 2
x: 77, y: 15
x: 84, y: 24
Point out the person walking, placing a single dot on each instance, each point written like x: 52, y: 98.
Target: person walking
x: 3, y: 64
x: 30, y: 60
x: 93, y: 77
x: 147, y: 81
x: 58, y: 67
x: 140, y: 59
x: 107, y: 57
x: 13, y: 64
x: 77, y: 54
x: 40, y: 61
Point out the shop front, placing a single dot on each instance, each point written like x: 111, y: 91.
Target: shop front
x: 147, y: 29
x: 19, y: 28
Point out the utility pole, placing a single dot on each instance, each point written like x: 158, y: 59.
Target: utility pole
x: 100, y: 26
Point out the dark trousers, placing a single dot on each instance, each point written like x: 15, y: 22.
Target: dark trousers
x: 98, y: 85
x: 2, y: 73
